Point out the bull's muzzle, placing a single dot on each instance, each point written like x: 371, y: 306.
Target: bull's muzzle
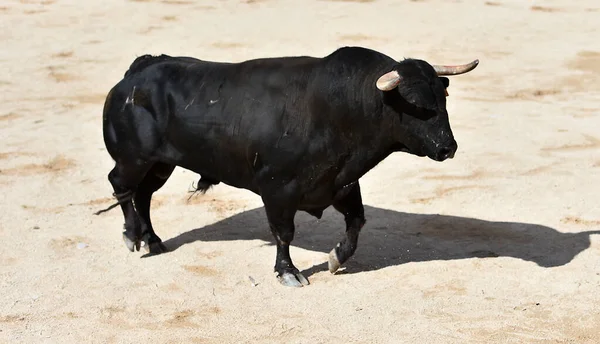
x: 446, y: 152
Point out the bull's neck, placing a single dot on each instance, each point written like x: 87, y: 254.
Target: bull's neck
x: 360, y: 115
x: 370, y: 136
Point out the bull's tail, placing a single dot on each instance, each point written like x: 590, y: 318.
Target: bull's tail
x: 144, y: 61
x: 121, y: 198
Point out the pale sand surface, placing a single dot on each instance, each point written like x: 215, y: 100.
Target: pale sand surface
x: 499, y: 245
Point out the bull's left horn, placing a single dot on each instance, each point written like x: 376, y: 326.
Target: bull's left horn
x: 455, y: 70
x: 388, y: 81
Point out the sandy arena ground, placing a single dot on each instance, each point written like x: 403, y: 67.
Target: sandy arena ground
x: 499, y: 245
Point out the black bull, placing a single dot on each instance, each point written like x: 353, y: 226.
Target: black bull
x: 298, y: 131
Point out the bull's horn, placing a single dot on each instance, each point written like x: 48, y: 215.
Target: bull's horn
x: 388, y: 81
x: 455, y: 70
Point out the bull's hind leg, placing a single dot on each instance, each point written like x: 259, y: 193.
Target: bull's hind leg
x: 352, y: 208
x: 154, y: 180
x: 125, y: 179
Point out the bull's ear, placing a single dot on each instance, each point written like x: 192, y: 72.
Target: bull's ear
x: 446, y: 82
x: 388, y: 81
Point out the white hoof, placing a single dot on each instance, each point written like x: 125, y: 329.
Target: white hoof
x: 334, y: 263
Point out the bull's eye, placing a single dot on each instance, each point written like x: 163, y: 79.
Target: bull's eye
x: 420, y: 109
x: 424, y: 113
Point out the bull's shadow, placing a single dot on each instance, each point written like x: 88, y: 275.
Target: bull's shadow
x: 393, y: 238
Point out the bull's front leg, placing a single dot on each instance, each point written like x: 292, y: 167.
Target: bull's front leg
x: 352, y: 208
x: 281, y: 221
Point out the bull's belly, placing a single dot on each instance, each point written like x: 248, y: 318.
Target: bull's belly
x: 225, y: 168
x: 318, y: 198
x: 230, y: 166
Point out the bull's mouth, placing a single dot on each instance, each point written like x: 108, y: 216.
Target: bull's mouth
x: 437, y: 158
x: 400, y: 147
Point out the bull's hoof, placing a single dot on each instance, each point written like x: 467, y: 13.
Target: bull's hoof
x: 156, y: 247
x: 152, y: 244
x: 334, y: 262
x: 289, y: 279
x: 131, y: 245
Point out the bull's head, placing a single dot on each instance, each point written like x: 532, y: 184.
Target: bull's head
x: 416, y: 92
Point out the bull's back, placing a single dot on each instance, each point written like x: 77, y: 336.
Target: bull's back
x: 231, y: 122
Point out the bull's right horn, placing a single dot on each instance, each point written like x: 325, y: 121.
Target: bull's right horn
x: 455, y: 70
